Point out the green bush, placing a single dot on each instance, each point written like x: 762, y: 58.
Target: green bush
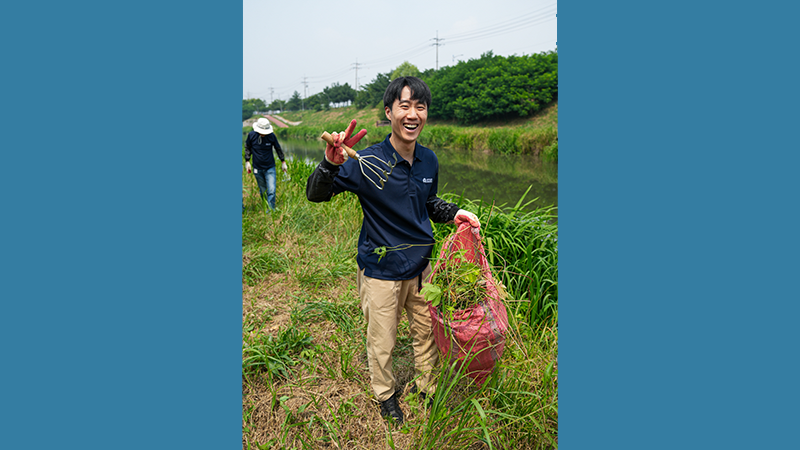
x: 247, y: 111
x: 503, y: 140
x: 380, y: 114
x: 550, y: 153
x: 493, y: 87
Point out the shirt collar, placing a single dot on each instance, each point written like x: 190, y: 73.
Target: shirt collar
x: 389, y: 150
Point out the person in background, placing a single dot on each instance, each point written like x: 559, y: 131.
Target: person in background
x: 396, y: 218
x: 259, y: 145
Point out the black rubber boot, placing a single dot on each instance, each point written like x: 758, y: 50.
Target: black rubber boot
x: 390, y: 409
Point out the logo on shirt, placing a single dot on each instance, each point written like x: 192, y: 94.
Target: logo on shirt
x: 427, y: 180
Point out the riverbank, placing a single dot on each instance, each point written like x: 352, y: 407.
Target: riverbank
x: 305, y: 381
x: 536, y: 135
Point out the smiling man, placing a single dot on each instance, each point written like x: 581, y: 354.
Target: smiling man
x: 396, y: 240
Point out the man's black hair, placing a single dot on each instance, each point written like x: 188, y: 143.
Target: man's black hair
x: 419, y: 91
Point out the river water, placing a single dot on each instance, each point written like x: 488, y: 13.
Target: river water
x: 474, y: 174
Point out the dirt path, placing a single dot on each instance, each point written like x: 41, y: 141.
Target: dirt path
x: 277, y: 122
x: 288, y: 121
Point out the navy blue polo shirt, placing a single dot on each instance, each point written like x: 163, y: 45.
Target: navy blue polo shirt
x: 260, y: 147
x: 395, y: 217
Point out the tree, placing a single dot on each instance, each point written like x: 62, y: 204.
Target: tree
x: 372, y: 92
x: 317, y: 102
x: 277, y: 105
x: 258, y: 104
x: 405, y: 70
x: 493, y: 87
x: 251, y: 105
x: 295, y: 103
x: 247, y: 110
x: 337, y: 93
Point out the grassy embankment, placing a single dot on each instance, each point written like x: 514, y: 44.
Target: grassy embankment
x: 536, y: 135
x: 305, y: 381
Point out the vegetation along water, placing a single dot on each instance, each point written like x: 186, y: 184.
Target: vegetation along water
x: 305, y: 382
x: 477, y: 175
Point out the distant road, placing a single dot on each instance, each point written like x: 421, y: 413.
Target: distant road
x: 277, y: 122
x: 287, y: 121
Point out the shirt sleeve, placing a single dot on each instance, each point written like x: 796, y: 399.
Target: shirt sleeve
x: 439, y: 210
x: 319, y: 187
x: 329, y: 179
x: 278, y: 148
x: 247, y: 151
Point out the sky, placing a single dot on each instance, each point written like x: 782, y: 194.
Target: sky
x: 305, y: 46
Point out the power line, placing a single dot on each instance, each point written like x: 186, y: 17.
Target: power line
x: 423, y: 46
x: 541, y: 12
x: 401, y: 57
x: 529, y: 47
x: 519, y: 22
x: 491, y: 33
x: 330, y: 75
x: 289, y: 91
x: 497, y: 33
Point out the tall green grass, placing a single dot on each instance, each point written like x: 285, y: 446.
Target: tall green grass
x: 305, y: 383
x: 522, y: 141
x: 522, y: 247
x: 516, y: 408
x: 506, y: 140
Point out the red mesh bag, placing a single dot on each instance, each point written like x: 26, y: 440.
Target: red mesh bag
x: 475, y: 335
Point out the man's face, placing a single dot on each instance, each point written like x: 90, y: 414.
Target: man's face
x: 407, y: 116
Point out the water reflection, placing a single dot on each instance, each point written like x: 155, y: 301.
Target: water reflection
x: 474, y: 174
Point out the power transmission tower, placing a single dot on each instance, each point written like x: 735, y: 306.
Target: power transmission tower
x: 356, y: 64
x: 305, y: 92
x: 437, y: 44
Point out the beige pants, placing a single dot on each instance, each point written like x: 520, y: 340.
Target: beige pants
x: 383, y: 303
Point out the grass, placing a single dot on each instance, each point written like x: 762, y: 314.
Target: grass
x: 507, y: 140
x: 522, y: 247
x: 548, y: 116
x: 305, y: 382
x: 535, y: 135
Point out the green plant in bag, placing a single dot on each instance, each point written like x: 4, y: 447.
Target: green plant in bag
x: 457, y: 284
x: 432, y: 293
